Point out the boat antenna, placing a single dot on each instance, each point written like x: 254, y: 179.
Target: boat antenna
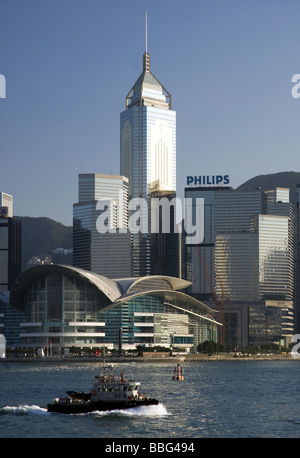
x: 103, y: 353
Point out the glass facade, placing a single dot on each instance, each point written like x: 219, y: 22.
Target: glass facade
x: 10, y: 251
x: 84, y: 219
x: 63, y: 309
x: 114, y: 188
x: 148, y: 153
x: 276, y: 271
x: 270, y: 322
x: 297, y: 259
x: 105, y: 250
x: 236, y: 275
x: 6, y: 201
x: 258, y: 264
x: 234, y: 210
x: 249, y: 261
x: 148, y: 320
x: 199, y: 260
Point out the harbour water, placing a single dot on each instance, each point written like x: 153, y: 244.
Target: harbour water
x: 230, y: 399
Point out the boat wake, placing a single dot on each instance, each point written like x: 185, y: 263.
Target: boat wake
x: 23, y: 410
x: 158, y: 410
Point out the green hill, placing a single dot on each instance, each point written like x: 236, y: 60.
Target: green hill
x: 41, y: 236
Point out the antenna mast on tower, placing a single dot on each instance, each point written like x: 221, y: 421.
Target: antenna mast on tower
x: 146, y: 31
x: 146, y: 57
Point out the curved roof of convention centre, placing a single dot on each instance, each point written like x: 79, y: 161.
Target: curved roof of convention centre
x: 118, y: 290
x: 113, y: 289
x: 107, y: 286
x: 175, y: 299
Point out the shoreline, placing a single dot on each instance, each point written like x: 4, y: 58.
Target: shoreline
x: 138, y: 359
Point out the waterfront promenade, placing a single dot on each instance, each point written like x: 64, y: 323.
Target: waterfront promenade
x: 157, y: 359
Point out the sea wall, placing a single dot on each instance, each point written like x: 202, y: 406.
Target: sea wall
x: 158, y: 358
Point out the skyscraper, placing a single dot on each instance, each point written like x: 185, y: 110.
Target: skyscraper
x: 96, y: 186
x: 199, y: 259
x: 254, y: 272
x: 6, y: 205
x: 148, y: 152
x: 106, y: 250
x: 245, y: 263
x: 253, y: 245
x: 10, y: 243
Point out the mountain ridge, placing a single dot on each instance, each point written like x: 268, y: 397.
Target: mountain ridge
x: 42, y: 235
x: 280, y: 179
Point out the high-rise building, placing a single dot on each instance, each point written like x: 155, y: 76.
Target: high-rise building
x: 101, y: 241
x: 6, y: 205
x: 199, y: 259
x: 257, y: 237
x: 148, y: 153
x: 254, y: 272
x: 245, y: 263
x: 297, y: 261
x: 10, y: 243
x: 96, y: 186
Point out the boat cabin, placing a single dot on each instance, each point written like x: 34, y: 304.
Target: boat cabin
x: 108, y: 387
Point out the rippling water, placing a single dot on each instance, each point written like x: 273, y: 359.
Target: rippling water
x: 238, y: 399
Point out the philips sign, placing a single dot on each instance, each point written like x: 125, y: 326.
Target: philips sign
x: 208, y: 180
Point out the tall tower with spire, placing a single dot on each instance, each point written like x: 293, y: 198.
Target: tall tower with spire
x: 148, y: 150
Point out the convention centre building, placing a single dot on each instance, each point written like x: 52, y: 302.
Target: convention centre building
x: 65, y: 306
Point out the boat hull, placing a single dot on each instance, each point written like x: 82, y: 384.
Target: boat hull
x: 86, y: 407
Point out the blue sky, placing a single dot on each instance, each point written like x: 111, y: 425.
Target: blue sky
x: 69, y: 65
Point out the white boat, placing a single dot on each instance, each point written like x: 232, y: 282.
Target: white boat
x: 109, y: 392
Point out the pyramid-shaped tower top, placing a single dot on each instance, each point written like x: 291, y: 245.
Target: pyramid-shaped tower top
x: 146, y: 62
x: 147, y: 90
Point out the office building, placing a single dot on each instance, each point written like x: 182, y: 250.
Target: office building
x: 148, y: 153
x: 101, y: 240
x: 96, y: 187
x: 10, y: 243
x: 10, y: 265
x: 2, y: 346
x: 254, y: 266
x: 6, y: 205
x: 245, y: 264
x: 199, y: 258
x: 297, y: 261
x: 262, y: 243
